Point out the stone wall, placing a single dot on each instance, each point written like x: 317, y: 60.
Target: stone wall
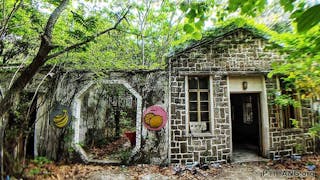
x: 285, y: 142
x: 238, y: 52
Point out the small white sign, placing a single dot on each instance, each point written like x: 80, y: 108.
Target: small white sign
x: 198, y: 127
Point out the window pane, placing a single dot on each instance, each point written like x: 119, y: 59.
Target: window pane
x: 193, y: 83
x: 203, y: 82
x: 193, y: 106
x: 204, y: 116
x: 204, y: 96
x: 207, y: 127
x: 204, y: 106
x: 192, y: 96
x: 193, y: 116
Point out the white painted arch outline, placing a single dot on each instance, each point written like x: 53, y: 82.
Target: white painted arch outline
x: 76, y: 111
x: 1, y: 92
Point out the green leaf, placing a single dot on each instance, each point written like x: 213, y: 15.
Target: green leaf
x: 196, y: 35
x: 233, y: 5
x: 287, y: 4
x: 309, y: 18
x: 297, y: 13
x: 199, y: 24
x: 188, y: 28
x: 191, y: 14
x: 184, y: 7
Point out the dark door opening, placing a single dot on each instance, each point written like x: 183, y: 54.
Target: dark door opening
x: 245, y: 122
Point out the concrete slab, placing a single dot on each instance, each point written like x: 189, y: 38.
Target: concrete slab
x: 246, y: 153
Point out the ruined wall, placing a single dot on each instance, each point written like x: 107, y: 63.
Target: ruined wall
x: 151, y: 85
x: 236, y: 53
x: 61, y: 87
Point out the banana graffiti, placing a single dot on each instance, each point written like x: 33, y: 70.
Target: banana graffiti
x: 154, y: 121
x: 61, y: 120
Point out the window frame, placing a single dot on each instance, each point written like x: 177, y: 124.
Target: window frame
x: 209, y: 100
x: 285, y: 111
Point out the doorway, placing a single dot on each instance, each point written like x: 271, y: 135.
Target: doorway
x: 246, y: 131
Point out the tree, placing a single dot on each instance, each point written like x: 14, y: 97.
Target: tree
x: 82, y: 32
x: 45, y: 53
x: 306, y: 16
x: 47, y: 49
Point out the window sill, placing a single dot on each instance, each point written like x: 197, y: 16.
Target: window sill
x: 293, y: 130
x: 200, y: 135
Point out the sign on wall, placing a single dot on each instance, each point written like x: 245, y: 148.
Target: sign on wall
x: 60, y: 116
x: 154, y: 118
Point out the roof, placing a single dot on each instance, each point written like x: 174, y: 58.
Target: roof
x: 218, y: 34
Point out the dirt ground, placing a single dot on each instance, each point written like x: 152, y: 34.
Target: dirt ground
x: 284, y: 169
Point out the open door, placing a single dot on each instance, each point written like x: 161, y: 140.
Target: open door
x: 246, y: 131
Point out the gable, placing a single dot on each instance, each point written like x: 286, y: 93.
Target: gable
x: 237, y: 50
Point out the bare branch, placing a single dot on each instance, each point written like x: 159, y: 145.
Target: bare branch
x: 89, y: 39
x: 19, y: 68
x: 38, y: 87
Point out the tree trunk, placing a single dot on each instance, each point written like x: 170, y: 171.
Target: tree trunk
x: 2, y: 129
x: 25, y: 77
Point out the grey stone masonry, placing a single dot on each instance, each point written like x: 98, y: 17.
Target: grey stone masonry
x: 285, y: 142
x: 237, y: 52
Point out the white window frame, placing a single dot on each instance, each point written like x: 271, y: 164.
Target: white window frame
x: 211, y: 108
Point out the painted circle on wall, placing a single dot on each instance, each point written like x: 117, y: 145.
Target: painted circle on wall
x: 154, y: 118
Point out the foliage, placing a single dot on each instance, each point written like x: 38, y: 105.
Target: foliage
x: 309, y: 18
x: 315, y: 130
x: 40, y: 161
x: 149, y: 31
x: 125, y: 155
x: 286, y: 100
x: 126, y: 123
x: 195, y: 18
x: 295, y: 123
x: 302, y: 64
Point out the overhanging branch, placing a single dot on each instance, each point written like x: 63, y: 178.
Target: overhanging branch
x: 53, y: 19
x: 91, y: 38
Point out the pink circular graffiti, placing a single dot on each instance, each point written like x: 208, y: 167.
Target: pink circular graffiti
x: 154, y: 118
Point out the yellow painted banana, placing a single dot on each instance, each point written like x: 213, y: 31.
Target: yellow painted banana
x: 63, y: 123
x: 60, y: 117
x: 61, y: 120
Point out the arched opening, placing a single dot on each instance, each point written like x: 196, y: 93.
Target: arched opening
x: 104, y: 113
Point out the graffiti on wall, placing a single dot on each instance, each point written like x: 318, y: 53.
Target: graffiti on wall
x: 60, y: 116
x: 154, y: 118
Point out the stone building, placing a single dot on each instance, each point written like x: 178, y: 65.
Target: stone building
x: 222, y: 102
x: 216, y: 93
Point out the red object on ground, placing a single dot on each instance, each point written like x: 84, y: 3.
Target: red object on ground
x: 132, y: 137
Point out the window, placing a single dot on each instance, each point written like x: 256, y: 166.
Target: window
x: 199, y: 104
x: 288, y: 112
